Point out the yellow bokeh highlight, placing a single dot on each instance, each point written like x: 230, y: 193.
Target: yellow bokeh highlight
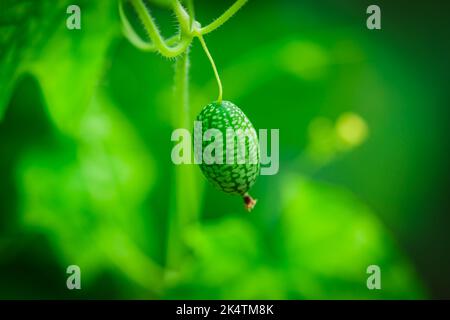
x: 351, y: 130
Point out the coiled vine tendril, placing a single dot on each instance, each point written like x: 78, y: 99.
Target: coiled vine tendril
x: 189, y: 28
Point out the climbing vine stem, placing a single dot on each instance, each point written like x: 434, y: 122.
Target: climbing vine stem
x: 185, y: 206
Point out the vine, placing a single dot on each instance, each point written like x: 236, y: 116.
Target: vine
x: 189, y: 28
x: 177, y: 47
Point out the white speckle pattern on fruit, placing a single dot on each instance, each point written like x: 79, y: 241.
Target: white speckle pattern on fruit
x: 234, y: 178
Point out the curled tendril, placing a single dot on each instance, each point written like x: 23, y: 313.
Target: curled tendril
x: 169, y: 48
x: 176, y: 44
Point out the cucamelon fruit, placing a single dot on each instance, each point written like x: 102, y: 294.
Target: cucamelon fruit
x: 236, y: 164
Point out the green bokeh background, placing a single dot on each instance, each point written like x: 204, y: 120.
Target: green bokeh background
x: 87, y: 179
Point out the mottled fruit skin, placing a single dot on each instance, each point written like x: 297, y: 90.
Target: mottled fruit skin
x: 234, y: 178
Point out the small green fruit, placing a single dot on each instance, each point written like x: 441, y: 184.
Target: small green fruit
x: 234, y: 177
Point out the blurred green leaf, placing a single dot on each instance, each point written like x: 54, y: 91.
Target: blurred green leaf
x: 88, y: 195
x: 81, y: 56
x: 25, y: 27
x: 36, y: 38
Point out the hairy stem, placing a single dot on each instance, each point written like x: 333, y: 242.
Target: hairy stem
x: 131, y: 35
x: 184, y: 201
x: 182, y: 17
x: 154, y: 34
x: 181, y: 89
x: 136, y: 40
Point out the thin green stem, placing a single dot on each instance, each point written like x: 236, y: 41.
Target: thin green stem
x: 219, y: 83
x: 224, y: 17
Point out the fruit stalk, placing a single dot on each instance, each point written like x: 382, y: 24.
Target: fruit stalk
x: 216, y: 73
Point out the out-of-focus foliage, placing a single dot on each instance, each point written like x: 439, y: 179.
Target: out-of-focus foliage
x: 318, y: 248
x: 87, y: 177
x: 23, y: 30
